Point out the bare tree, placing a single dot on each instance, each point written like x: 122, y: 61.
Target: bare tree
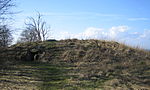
x: 5, y: 6
x: 39, y: 27
x: 28, y: 36
x: 44, y: 31
x: 5, y: 36
x: 36, y: 30
x: 5, y: 32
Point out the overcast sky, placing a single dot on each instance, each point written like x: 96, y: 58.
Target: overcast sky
x: 127, y: 21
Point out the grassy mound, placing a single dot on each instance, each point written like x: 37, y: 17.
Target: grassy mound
x: 74, y: 64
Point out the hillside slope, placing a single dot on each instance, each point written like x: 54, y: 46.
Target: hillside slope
x: 79, y: 64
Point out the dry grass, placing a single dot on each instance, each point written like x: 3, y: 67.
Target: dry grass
x: 93, y: 64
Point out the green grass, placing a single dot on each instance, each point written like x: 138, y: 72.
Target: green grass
x: 42, y: 73
x: 43, y: 76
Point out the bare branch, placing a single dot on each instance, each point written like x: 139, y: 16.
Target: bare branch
x: 5, y: 36
x: 5, y: 5
x: 36, y: 29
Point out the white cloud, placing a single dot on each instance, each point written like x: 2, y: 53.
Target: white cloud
x: 138, y: 19
x: 96, y: 33
x: 80, y: 14
x: 114, y: 31
x: 119, y: 33
x: 91, y: 32
x: 145, y: 34
x: 135, y: 33
x: 138, y: 39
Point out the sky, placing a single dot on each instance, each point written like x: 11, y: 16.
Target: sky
x: 126, y: 21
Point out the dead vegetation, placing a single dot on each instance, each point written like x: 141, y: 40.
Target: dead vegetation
x: 92, y: 63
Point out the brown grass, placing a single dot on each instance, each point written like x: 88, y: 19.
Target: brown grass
x: 107, y: 63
